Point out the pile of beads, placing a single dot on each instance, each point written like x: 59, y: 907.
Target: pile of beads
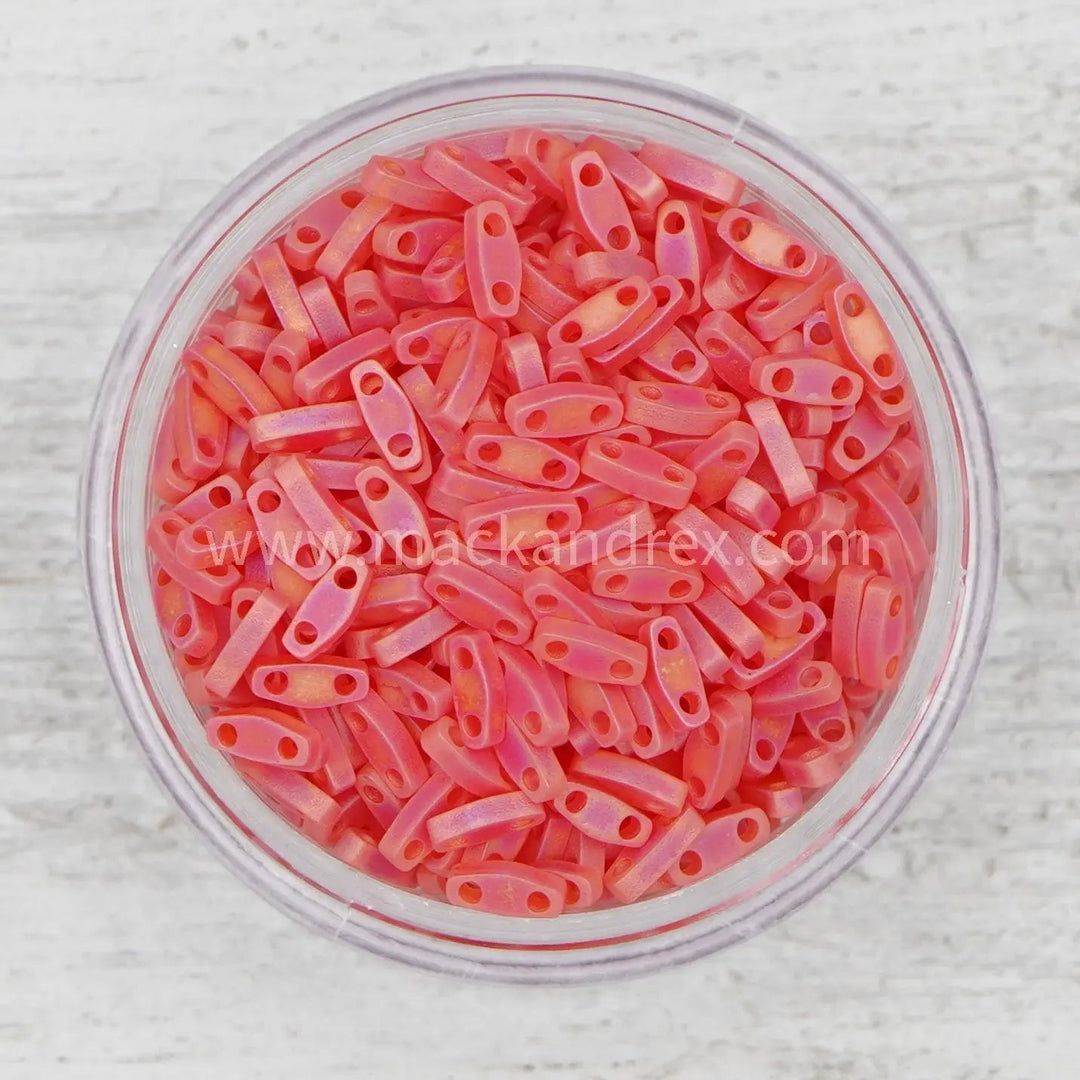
x: 541, y: 521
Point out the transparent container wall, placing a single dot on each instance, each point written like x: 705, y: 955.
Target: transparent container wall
x: 325, y: 893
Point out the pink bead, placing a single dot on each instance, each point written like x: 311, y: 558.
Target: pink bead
x: 475, y: 180
x: 318, y: 812
x: 539, y: 155
x: 545, y: 463
x: 223, y: 536
x: 478, y: 599
x: 413, y: 240
x: 776, y: 653
x: 313, y: 227
x: 475, y: 770
x: 228, y: 382
x: 327, y: 378
x: 534, y: 769
x: 672, y: 301
x: 386, y: 743
x: 714, y: 754
x: 337, y: 774
x: 597, y: 205
x: 520, y: 521
x: 880, y: 505
x: 407, y: 842
x: 546, y: 592
x: 768, y: 737
x: 646, y: 576
x: 328, y: 609
x: 492, y: 261
x: 423, y: 336
x: 319, y: 683
x: 523, y: 362
x: 806, y: 380
x: 282, y: 292
x: 244, y: 642
x: 637, y: 470
x: 779, y: 799
x: 560, y: 411
x: 313, y: 501
x: 388, y: 414
x: 653, y: 735
x: 266, y: 735
x: 862, y: 337
x: 710, y: 658
x: 829, y: 725
x: 721, y: 460
x: 483, y: 819
x: 727, y: 620
x: 856, y: 443
x: 507, y: 888
x: 589, y: 651
x: 535, y: 700
x: 751, y: 504
x: 772, y: 562
x: 404, y: 182
x: 311, y: 427
x: 214, y: 584
x: 778, y: 610
x: 803, y: 684
x: 808, y: 764
x: 632, y: 873
x: 624, y: 617
x: 397, y: 513
x: 673, y: 678
x: 731, y: 281
x: 284, y: 357
x: 701, y: 540
x: 692, y: 174
x: 728, y: 836
x: 682, y: 250
x: 603, y: 816
x: 607, y: 318
x: 200, y: 429
x: 412, y: 689
x: 167, y: 481
x: 379, y: 800
x: 214, y: 494
x: 882, y: 633
x: 785, y: 303
x: 607, y: 529
x: 602, y: 709
x: 641, y: 186
x: 548, y: 286
x: 779, y: 449
x: 478, y: 687
x: 637, y: 783
x: 389, y: 646
x: 686, y: 410
x: 596, y: 270
x: 284, y: 533
x: 769, y: 246
x: 730, y: 348
x: 322, y: 306
x: 187, y: 620
x: 444, y: 278
x: 367, y: 307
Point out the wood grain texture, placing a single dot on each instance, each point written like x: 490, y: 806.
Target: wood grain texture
x: 951, y: 951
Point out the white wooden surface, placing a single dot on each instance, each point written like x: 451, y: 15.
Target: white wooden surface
x: 952, y: 951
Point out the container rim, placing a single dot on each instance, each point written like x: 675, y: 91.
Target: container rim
x: 672, y: 943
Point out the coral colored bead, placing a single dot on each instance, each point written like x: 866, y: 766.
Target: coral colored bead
x: 475, y: 770
x: 466, y: 174
x: 714, y: 753
x: 684, y: 410
x: 729, y: 835
x: 607, y: 318
x: 534, y: 769
x: 535, y: 702
x: 507, y: 888
x: 589, y: 651
x: 407, y: 841
x: 483, y: 819
x: 671, y: 302
x: 270, y: 736
x: 596, y: 203
x: 553, y: 411
x: 632, y: 873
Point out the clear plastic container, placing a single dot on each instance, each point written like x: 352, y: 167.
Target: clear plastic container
x: 307, y: 882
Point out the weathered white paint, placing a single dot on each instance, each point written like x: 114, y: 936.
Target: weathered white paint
x: 950, y: 952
